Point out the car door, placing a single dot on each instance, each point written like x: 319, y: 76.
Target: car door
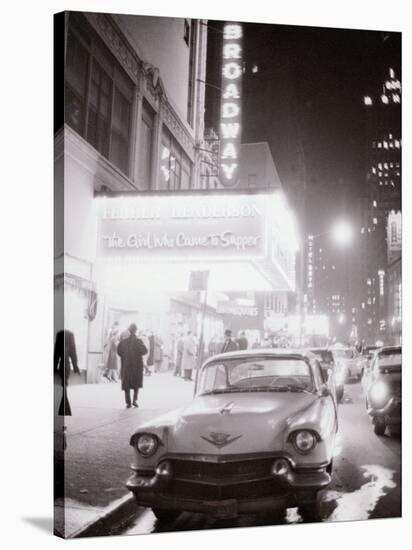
x: 330, y: 384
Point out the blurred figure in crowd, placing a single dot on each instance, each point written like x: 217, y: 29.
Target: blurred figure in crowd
x: 65, y: 356
x: 157, y: 352
x: 256, y: 344
x: 131, y: 351
x: 111, y: 366
x: 144, y: 337
x: 150, y: 356
x: 229, y: 344
x: 189, y: 355
x: 179, y: 356
x: 242, y: 341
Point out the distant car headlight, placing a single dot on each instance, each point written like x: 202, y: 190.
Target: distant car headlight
x: 304, y: 441
x: 379, y: 394
x: 145, y: 444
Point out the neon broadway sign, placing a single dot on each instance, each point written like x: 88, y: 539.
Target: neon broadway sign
x: 230, y: 127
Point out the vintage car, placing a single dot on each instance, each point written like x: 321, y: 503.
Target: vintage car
x: 327, y: 363
x: 383, y: 388
x: 258, y: 435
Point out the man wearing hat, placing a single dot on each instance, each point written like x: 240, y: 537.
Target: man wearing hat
x: 229, y: 344
x: 131, y: 350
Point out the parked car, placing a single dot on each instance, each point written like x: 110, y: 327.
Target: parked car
x: 258, y: 435
x: 349, y: 362
x: 327, y: 362
x: 383, y: 388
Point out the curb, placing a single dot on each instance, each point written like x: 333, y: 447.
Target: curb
x: 113, y: 516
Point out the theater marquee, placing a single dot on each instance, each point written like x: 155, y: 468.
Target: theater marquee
x: 182, y: 227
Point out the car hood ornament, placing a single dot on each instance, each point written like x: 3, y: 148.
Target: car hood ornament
x: 227, y: 409
x: 220, y: 440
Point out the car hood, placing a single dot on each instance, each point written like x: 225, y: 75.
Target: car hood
x: 240, y: 423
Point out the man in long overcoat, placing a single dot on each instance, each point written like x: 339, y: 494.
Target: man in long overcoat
x: 65, y: 355
x: 131, y: 351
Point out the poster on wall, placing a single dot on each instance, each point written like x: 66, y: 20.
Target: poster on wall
x: 212, y: 233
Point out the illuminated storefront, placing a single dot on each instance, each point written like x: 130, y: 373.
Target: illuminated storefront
x: 147, y: 247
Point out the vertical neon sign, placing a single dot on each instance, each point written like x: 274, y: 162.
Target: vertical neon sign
x: 231, y: 112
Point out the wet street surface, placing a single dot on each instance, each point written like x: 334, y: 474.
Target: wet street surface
x: 366, y: 481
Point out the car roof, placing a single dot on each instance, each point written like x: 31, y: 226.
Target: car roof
x: 294, y: 353
x: 389, y: 349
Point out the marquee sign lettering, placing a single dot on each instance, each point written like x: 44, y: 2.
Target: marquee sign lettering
x: 231, y: 112
x: 178, y: 227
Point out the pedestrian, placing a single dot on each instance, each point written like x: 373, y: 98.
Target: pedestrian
x: 242, y: 341
x: 150, y: 356
x: 65, y: 356
x: 145, y: 339
x: 256, y: 344
x: 131, y: 351
x: 111, y: 370
x: 229, y: 344
x: 179, y: 356
x: 157, y: 352
x: 189, y: 355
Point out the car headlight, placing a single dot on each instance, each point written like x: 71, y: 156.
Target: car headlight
x: 304, y: 440
x: 379, y: 394
x: 145, y: 444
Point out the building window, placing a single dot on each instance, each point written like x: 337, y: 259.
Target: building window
x: 146, y: 146
x: 175, y: 167
x: 99, y: 94
x: 394, y: 233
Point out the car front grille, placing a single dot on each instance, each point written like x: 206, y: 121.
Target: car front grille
x: 256, y: 468
x: 251, y: 489
x: 219, y: 481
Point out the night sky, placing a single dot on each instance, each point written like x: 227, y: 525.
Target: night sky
x: 306, y: 101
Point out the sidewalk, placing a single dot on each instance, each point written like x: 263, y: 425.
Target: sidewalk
x: 98, y: 454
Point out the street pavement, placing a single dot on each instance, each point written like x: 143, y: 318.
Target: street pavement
x: 366, y: 481
x: 98, y: 455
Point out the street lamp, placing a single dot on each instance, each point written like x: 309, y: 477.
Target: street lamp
x: 342, y: 232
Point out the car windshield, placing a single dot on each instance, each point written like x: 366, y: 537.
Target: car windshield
x: 257, y: 374
x: 323, y: 355
x: 344, y: 353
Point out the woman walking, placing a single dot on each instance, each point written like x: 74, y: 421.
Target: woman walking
x: 111, y: 366
x: 158, y: 353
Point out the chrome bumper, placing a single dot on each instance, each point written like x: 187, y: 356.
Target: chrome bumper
x: 299, y: 487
